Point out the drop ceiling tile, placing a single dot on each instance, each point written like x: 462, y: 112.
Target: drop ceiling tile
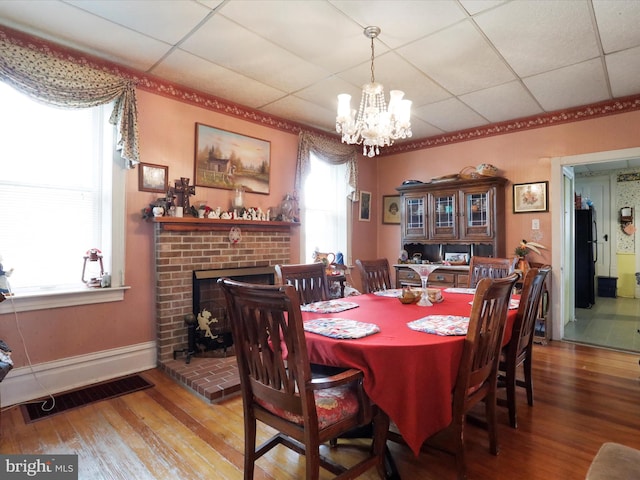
x: 397, y: 19
x: 449, y: 115
x: 325, y: 93
x: 394, y: 73
x: 226, y: 43
x: 537, y: 36
x: 618, y: 23
x: 503, y: 102
x: 459, y: 59
x: 302, y: 111
x: 624, y: 72
x: 186, y: 69
x: 164, y: 20
x: 313, y: 30
x: 75, y: 28
x: 571, y: 86
x: 422, y: 129
x: 477, y: 6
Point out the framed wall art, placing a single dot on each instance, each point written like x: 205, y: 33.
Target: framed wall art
x: 229, y: 160
x: 531, y: 197
x: 365, y: 206
x: 391, y: 209
x: 153, y: 178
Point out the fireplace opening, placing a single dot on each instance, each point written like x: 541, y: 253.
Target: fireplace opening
x: 209, y: 329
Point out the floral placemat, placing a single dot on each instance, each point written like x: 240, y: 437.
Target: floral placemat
x: 392, y: 293
x: 441, y: 325
x: 468, y: 291
x: 328, y: 306
x: 340, y: 328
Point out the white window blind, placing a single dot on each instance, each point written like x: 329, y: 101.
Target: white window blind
x: 325, y: 209
x: 55, y: 190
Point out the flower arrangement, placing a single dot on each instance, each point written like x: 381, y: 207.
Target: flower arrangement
x: 525, y: 247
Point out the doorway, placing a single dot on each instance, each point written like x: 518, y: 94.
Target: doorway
x: 612, y: 322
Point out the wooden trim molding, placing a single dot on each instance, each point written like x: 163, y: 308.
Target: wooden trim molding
x: 165, y: 88
x: 188, y: 224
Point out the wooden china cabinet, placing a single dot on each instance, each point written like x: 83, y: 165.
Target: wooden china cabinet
x: 440, y: 219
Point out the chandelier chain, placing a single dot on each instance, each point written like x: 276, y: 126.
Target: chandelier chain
x: 373, y: 80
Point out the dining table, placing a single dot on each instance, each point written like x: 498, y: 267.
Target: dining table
x: 409, y: 374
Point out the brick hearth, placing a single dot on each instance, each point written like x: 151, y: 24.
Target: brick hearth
x: 214, y: 379
x: 183, y: 245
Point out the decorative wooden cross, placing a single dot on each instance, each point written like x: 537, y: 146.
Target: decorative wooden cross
x: 183, y: 189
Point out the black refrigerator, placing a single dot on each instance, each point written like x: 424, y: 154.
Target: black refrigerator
x: 585, y: 250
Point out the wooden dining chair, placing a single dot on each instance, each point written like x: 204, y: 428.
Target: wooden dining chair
x: 278, y: 389
x: 374, y: 275
x: 490, y: 267
x: 519, y: 350
x: 477, y: 374
x: 309, y: 279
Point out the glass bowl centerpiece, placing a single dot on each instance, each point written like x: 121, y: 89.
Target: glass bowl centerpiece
x: 424, y: 270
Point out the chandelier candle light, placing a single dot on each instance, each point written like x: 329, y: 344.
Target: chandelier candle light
x: 374, y: 125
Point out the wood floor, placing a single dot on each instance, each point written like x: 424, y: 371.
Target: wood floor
x: 583, y: 397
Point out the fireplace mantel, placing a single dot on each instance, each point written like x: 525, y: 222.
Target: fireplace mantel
x: 191, y: 224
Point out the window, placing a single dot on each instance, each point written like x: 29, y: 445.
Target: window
x: 56, y: 186
x: 325, y: 209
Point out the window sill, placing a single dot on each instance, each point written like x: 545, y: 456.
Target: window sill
x: 24, y: 302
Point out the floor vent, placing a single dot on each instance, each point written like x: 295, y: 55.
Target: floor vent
x: 84, y: 396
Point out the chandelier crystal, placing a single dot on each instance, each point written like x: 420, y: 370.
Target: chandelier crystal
x: 374, y: 125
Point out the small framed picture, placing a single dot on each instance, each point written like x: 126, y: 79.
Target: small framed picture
x: 153, y: 178
x: 531, y: 197
x: 365, y: 206
x: 391, y: 209
x: 456, y: 258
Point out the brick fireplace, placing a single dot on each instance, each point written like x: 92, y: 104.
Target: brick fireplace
x: 185, y: 245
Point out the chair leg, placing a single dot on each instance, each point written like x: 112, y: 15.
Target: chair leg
x: 510, y: 384
x: 249, y: 447
x: 312, y: 458
x: 528, y: 381
x: 492, y: 423
x: 379, y: 444
x: 461, y: 462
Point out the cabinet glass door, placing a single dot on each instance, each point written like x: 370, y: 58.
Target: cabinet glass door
x: 445, y: 211
x: 477, y: 214
x: 415, y: 224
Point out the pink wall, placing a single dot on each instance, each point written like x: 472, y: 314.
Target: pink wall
x: 167, y: 135
x: 167, y: 132
x: 521, y: 157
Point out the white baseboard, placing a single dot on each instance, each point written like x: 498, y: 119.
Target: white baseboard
x: 28, y: 383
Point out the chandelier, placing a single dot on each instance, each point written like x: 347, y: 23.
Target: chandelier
x: 373, y: 125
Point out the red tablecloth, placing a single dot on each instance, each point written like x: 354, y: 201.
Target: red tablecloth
x: 409, y: 374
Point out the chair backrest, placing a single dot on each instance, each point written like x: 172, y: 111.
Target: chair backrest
x: 309, y: 279
x: 523, y: 327
x: 478, y: 369
x: 489, y: 267
x: 271, y: 351
x: 374, y: 274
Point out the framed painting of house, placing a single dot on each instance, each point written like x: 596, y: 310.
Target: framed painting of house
x: 152, y: 178
x: 229, y: 160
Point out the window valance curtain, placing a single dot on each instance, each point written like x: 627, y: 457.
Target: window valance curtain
x: 330, y: 151
x: 64, y: 83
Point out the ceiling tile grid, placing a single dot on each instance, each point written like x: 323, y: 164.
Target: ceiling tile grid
x: 463, y: 63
